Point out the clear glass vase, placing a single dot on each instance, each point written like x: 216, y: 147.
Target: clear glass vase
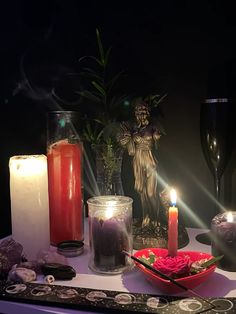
x: 108, y: 169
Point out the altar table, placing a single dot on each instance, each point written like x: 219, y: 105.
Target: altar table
x: 221, y: 283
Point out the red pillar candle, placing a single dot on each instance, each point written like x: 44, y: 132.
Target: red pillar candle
x: 64, y: 153
x: 173, y: 226
x: 65, y: 193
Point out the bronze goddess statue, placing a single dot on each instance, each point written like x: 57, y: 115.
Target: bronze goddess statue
x: 139, y: 138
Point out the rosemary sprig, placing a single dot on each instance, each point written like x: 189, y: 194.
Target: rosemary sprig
x: 212, y: 261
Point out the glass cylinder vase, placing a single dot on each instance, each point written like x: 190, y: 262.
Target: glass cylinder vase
x: 110, y: 232
x: 64, y: 152
x: 108, y: 169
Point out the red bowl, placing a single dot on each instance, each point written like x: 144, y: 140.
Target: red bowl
x: 188, y: 281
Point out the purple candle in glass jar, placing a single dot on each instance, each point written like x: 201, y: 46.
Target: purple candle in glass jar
x: 110, y: 220
x: 223, y: 227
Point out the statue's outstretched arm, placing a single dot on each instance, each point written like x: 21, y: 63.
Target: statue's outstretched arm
x: 125, y: 138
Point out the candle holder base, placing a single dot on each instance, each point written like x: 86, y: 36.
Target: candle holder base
x: 204, y: 238
x: 156, y: 236
x: 149, y: 236
x: 111, y: 270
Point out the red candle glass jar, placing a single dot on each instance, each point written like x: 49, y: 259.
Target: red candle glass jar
x: 64, y: 154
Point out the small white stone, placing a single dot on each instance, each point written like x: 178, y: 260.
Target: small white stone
x: 49, y: 279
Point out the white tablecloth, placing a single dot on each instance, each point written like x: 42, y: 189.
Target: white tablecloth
x: 220, y: 284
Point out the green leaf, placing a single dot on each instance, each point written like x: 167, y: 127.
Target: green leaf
x: 156, y: 102
x: 150, y: 98
x: 100, y: 47
x: 115, y: 79
x: 91, y: 74
x: 99, y: 88
x: 145, y: 260
x: 212, y: 261
x: 152, y: 258
x: 87, y: 94
x: 107, y: 56
x: 97, y: 60
x: 99, y: 121
x: 92, y: 133
x: 93, y: 58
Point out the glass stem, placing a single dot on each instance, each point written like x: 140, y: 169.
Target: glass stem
x: 217, y: 188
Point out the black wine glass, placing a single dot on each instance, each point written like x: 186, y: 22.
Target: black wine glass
x: 216, y: 123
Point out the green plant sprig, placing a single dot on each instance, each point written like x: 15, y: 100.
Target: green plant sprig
x: 100, y: 87
x: 99, y: 90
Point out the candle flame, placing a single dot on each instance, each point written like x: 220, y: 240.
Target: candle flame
x: 230, y: 217
x: 109, y: 209
x: 173, y: 197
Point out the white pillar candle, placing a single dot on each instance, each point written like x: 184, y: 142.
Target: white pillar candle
x: 29, y: 203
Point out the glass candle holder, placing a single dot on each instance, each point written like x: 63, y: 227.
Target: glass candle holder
x: 110, y: 232
x: 65, y: 154
x: 223, y: 227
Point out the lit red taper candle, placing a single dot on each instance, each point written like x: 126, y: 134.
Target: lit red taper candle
x: 173, y: 226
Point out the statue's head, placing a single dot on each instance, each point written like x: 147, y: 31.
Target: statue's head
x: 142, y: 113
